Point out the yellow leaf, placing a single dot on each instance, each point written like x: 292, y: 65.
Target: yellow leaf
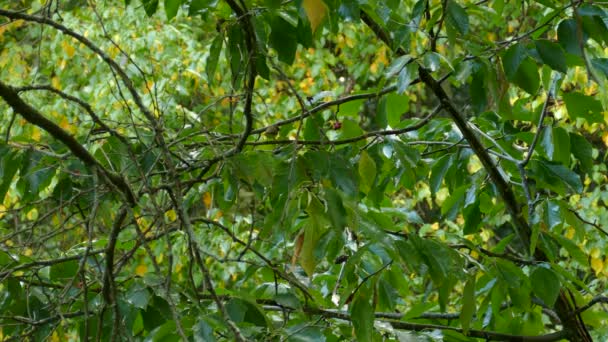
x: 35, y: 134
x: 69, y: 49
x: 315, y: 11
x: 171, y: 215
x: 570, y: 233
x: 597, y: 265
x: 595, y: 253
x: 141, y: 270
x: 55, y: 82
x: 32, y: 215
x: 65, y: 124
x: 207, y: 199
x: 28, y: 252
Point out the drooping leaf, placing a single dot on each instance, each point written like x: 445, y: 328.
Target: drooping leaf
x: 171, y: 8
x: 315, y: 11
x: 526, y: 77
x: 468, y: 304
x: 150, y: 6
x: 406, y: 76
x: 362, y: 315
x: 394, y: 105
x: 512, y: 59
x: 213, y: 58
x: 335, y: 209
x: 457, y: 17
x: 545, y: 284
x: 561, y: 144
x: 283, y: 38
x: 438, y: 171
x: 367, y: 171
x: 556, y: 176
x: 397, y: 65
x: 568, y: 37
x: 552, y: 54
x: 582, y: 150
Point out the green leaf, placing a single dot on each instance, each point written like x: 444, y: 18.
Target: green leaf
x: 362, y: 315
x: 561, y: 144
x: 335, y: 209
x: 241, y: 310
x: 438, y: 171
x: 9, y: 164
x: 454, y: 201
x: 63, y: 271
x: 552, y: 215
x: 526, y: 77
x: 567, y: 37
x: 150, y: 6
x: 367, y: 171
x: 479, y: 91
x: 283, y: 38
x: 213, y: 58
x: 394, y: 106
x: 512, y: 59
x: 600, y: 64
x: 468, y: 304
x: 406, y: 76
x: 472, y: 218
x: 171, y: 8
x: 313, y: 229
x: 516, y: 281
x: 349, y: 10
x: 457, y: 17
x: 546, y: 285
x: 555, y: 176
x: 581, y: 149
x: 165, y: 332
x: 138, y: 296
x: 582, y: 106
x: 552, y: 54
x: 203, y: 332
x: 397, y: 65
x: 304, y: 333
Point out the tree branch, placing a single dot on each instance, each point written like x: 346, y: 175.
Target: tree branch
x: 34, y: 117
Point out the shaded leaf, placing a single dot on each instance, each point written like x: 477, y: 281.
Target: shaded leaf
x: 552, y: 54
x: 457, y: 17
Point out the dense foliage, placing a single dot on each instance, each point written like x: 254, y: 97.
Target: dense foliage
x: 309, y: 170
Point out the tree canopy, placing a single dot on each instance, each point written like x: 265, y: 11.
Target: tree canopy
x: 309, y: 170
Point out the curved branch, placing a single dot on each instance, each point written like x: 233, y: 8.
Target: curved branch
x: 96, y: 119
x: 31, y: 115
